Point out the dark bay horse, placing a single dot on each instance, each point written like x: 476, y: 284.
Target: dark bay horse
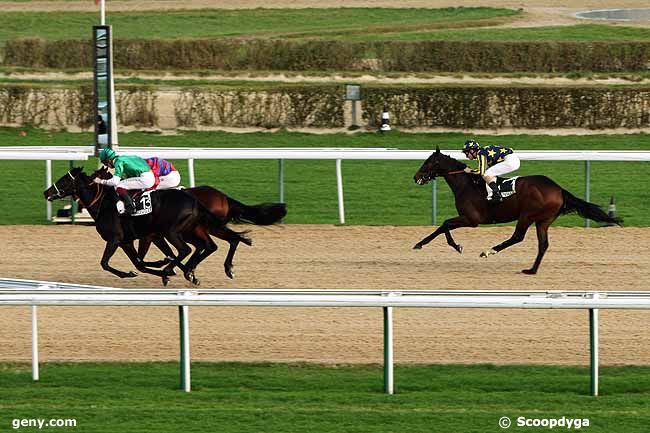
x: 538, y: 200
x: 177, y: 217
x: 224, y: 208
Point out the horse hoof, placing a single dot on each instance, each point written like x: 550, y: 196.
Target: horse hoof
x: 131, y: 274
x: 487, y: 253
x: 165, y: 280
x: 459, y: 248
x: 417, y: 247
x: 529, y: 272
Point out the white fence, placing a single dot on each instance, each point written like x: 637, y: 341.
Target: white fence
x: 34, y: 293
x: 75, y: 153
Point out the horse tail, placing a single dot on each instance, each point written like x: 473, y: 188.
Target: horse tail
x: 218, y: 227
x: 586, y: 209
x: 260, y: 214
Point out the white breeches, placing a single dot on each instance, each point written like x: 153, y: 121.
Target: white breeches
x: 145, y: 181
x: 172, y: 180
x: 510, y: 163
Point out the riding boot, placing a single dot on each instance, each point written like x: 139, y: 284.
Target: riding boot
x: 129, y: 206
x: 496, y: 194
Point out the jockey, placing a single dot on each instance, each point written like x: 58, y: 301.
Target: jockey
x: 131, y: 172
x: 166, y: 173
x: 493, y: 161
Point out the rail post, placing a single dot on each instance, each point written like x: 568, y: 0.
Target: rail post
x: 190, y: 172
x: 339, y: 191
x: 48, y: 183
x: 388, y: 350
x: 35, y: 375
x: 593, y: 339
x: 587, y: 187
x: 183, y: 316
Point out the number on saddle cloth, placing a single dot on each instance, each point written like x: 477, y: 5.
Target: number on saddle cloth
x: 142, y: 204
x: 506, y: 186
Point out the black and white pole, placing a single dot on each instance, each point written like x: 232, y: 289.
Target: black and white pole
x: 385, y: 120
x: 611, y: 210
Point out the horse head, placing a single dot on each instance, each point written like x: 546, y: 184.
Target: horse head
x: 66, y: 185
x: 102, y: 173
x: 438, y: 164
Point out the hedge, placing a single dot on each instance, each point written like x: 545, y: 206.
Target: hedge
x: 414, y: 56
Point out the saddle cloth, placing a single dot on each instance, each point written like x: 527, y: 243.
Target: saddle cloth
x: 506, y: 186
x: 142, y: 203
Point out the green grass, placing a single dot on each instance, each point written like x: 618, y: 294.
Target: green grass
x: 237, y: 23
x: 376, y: 192
x: 576, y: 33
x: 228, y: 397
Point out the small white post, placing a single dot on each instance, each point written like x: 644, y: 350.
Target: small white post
x: 35, y: 375
x: 339, y: 190
x: 388, y: 350
x: 593, y: 333
x: 102, y: 13
x: 190, y: 172
x: 48, y: 183
x: 184, y: 316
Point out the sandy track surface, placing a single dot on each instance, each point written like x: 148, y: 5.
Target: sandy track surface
x: 322, y: 256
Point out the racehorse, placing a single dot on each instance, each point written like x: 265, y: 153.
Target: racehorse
x: 223, y: 207
x: 537, y: 200
x: 176, y: 216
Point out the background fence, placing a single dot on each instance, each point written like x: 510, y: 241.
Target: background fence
x: 76, y: 153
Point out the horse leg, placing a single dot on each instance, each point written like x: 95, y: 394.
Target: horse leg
x: 183, y: 251
x: 204, y: 247
x: 132, y: 254
x: 542, y: 245
x: 446, y: 228
x: 109, y: 250
x: 233, y: 238
x: 517, y: 236
x: 143, y: 248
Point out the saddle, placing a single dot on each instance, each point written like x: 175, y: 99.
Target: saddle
x: 506, y: 187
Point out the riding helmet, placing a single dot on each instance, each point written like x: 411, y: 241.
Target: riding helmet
x: 106, y: 154
x: 470, y: 145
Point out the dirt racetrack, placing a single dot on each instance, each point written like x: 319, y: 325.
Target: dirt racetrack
x: 322, y: 256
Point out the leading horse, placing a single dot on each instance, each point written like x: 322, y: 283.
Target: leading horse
x: 538, y: 200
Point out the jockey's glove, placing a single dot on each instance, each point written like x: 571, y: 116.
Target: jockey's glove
x: 99, y: 181
x: 470, y: 170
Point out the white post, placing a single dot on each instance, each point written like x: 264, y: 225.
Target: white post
x: 184, y: 316
x: 34, y: 343
x: 48, y: 183
x: 102, y: 13
x: 339, y: 190
x: 388, y: 350
x: 190, y: 172
x: 593, y: 333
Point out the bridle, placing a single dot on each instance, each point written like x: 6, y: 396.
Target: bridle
x: 58, y: 191
x: 98, y: 195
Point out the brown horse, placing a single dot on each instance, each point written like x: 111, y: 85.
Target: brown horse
x: 538, y: 200
x: 228, y: 210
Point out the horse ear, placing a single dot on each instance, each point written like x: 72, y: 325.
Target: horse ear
x: 437, y: 149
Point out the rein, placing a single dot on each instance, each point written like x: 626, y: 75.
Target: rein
x: 456, y: 171
x: 99, y: 194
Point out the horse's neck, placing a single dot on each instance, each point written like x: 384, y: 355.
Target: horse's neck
x: 460, y: 184
x: 88, y: 193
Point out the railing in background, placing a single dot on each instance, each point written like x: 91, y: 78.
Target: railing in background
x: 281, y: 154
